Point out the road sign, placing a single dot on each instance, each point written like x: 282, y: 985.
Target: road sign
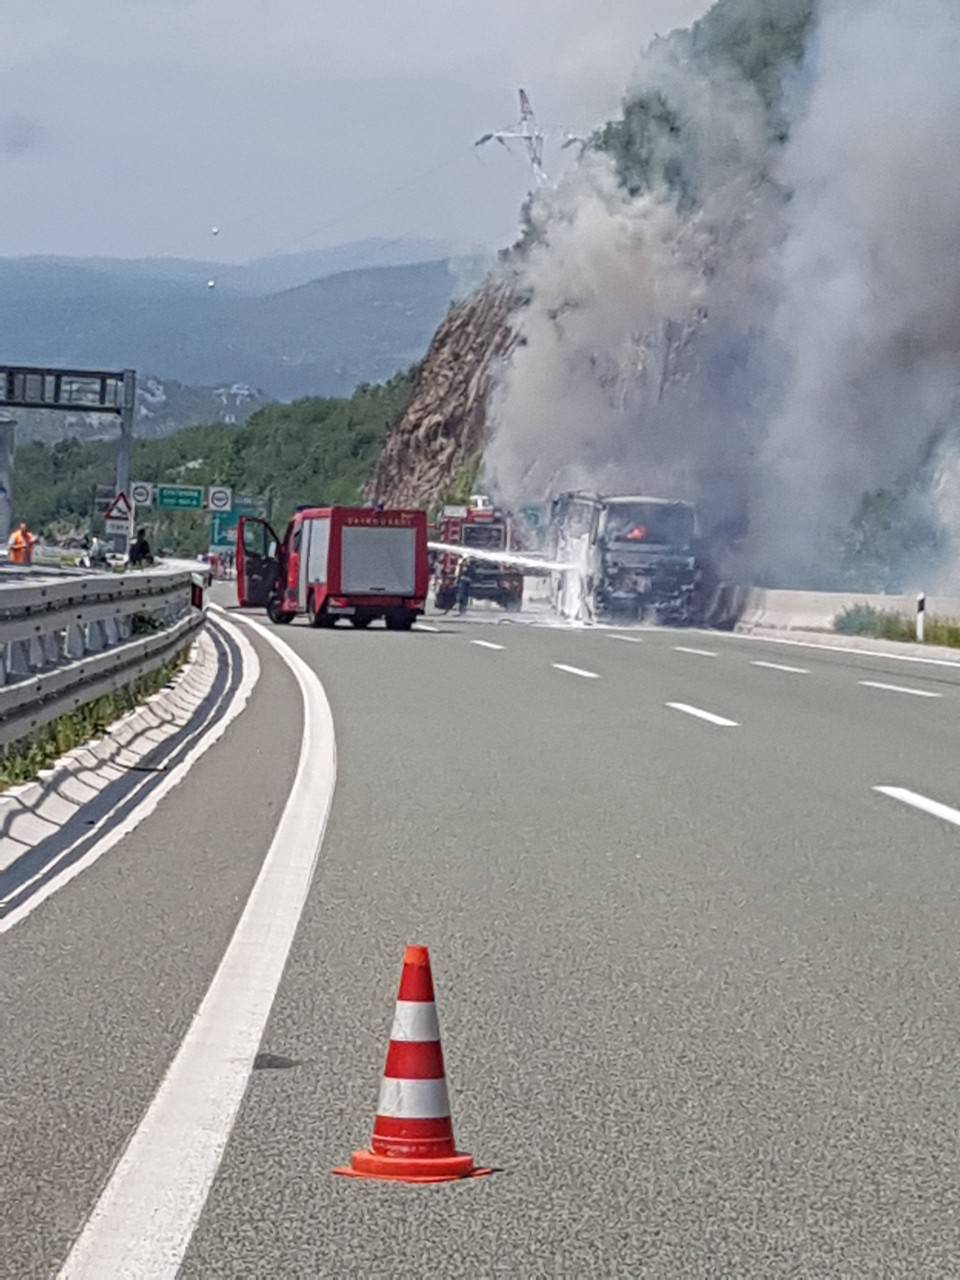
x: 102, y: 497
x: 141, y: 491
x: 223, y: 524
x: 180, y: 497
x: 220, y: 498
x: 117, y: 526
x: 119, y: 510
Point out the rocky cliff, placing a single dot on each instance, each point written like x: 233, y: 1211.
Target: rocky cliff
x: 433, y: 451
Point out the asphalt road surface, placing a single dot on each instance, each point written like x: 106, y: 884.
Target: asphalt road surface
x: 698, y: 979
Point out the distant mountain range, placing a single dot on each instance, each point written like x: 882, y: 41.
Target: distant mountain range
x: 294, y: 325
x: 163, y: 406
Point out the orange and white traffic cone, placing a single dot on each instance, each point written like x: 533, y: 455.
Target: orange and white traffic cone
x: 413, y: 1132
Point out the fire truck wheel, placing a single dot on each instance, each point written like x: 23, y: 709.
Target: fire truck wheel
x: 320, y: 619
x: 278, y: 616
x: 399, y: 622
x: 361, y: 623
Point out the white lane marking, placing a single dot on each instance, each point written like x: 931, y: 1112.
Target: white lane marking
x: 576, y: 671
x: 697, y: 653
x: 627, y: 639
x: 849, y: 650
x: 899, y: 688
x: 142, y: 1224
x: 703, y: 715
x: 917, y: 801
x: 779, y: 666
x: 487, y: 644
x: 115, y: 831
x: 425, y: 626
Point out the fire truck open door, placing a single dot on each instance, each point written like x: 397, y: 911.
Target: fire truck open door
x: 257, y: 562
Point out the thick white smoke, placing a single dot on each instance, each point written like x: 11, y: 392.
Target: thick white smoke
x: 789, y: 345
x: 869, y: 280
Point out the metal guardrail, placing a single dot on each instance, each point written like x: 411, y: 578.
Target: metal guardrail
x: 65, y: 641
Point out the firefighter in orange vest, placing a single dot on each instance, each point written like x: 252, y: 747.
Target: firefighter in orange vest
x: 21, y: 545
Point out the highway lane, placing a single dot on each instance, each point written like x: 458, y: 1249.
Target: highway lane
x: 99, y: 984
x: 698, y: 983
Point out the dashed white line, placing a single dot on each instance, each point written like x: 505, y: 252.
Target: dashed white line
x: 576, y: 671
x: 899, y: 688
x: 779, y: 666
x: 700, y: 714
x: 697, y: 653
x: 917, y: 801
x: 487, y: 644
x: 627, y: 639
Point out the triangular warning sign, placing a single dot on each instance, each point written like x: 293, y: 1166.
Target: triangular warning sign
x: 120, y: 508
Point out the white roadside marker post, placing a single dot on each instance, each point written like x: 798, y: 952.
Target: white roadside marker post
x: 921, y: 614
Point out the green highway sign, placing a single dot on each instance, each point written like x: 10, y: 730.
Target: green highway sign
x: 223, y: 524
x: 180, y: 497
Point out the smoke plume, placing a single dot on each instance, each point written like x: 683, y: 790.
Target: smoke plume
x: 769, y: 330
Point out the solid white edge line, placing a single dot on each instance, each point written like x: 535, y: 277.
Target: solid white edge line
x: 779, y: 666
x: 626, y: 639
x: 117, y: 831
x: 898, y: 688
x: 917, y: 801
x: 146, y: 1215
x: 576, y: 671
x: 106, y: 822
x: 697, y: 653
x: 425, y: 626
x: 700, y: 714
x: 487, y: 644
x: 849, y: 650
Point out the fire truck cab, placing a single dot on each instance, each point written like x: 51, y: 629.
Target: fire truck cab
x: 336, y: 562
x: 483, y: 527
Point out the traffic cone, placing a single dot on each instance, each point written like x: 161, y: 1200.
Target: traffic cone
x: 412, y: 1131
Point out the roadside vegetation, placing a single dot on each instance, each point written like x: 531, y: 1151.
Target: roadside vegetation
x: 883, y: 624
x: 315, y: 450
x: 23, y: 761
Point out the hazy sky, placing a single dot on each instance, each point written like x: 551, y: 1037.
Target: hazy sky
x: 130, y: 127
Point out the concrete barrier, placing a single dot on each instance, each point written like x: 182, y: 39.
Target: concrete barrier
x: 760, y: 610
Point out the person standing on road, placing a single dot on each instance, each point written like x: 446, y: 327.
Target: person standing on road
x: 21, y: 544
x: 464, y: 583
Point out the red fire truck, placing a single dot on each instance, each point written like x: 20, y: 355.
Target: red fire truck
x: 336, y: 562
x: 481, y: 526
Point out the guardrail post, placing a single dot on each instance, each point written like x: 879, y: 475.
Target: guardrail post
x: 93, y: 637
x: 73, y: 643
x: 50, y: 644
x: 921, y: 615
x: 18, y: 658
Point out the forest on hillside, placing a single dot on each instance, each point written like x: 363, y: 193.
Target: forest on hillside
x: 313, y: 450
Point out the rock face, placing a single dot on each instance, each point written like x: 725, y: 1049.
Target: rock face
x: 443, y: 431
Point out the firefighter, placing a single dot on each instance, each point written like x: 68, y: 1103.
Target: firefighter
x: 21, y: 544
x: 464, y: 583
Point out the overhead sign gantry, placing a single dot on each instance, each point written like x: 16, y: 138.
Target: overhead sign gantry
x: 74, y: 391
